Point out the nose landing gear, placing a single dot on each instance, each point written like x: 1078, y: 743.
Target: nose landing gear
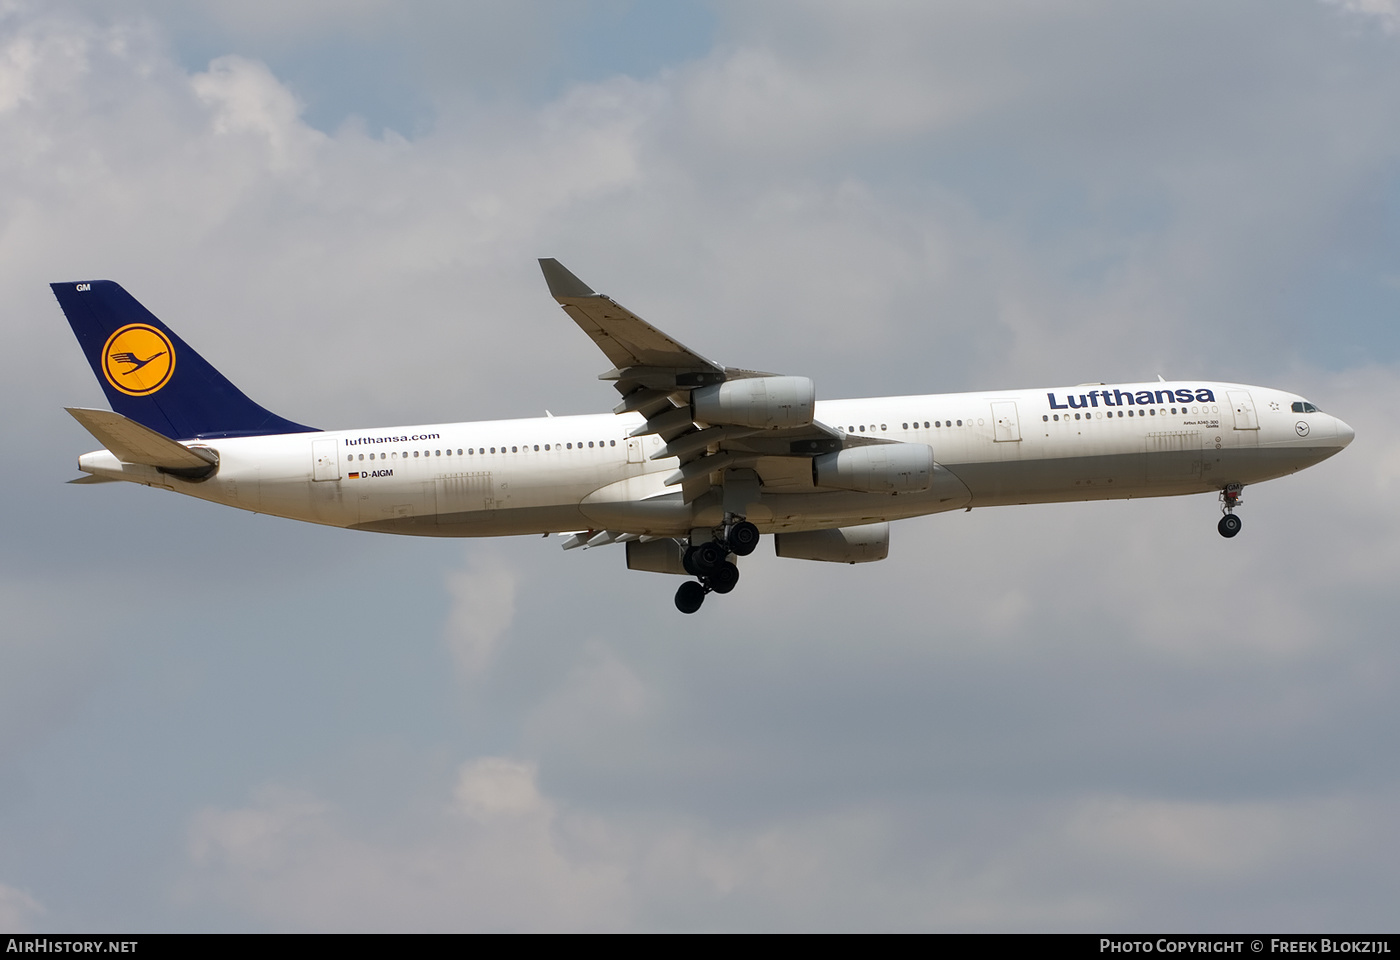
x: 709, y: 563
x: 1230, y: 498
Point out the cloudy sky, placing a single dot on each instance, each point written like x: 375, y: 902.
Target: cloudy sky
x: 1066, y: 717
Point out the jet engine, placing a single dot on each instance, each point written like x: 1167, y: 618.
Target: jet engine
x: 862, y: 544
x: 763, y: 402
x: 878, y: 468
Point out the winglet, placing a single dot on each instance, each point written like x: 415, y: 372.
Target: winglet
x: 563, y: 285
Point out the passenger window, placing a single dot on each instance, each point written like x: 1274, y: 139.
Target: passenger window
x: 960, y: 423
x: 351, y: 458
x: 1046, y: 418
x: 513, y: 450
x: 925, y: 424
x: 415, y: 453
x: 883, y: 427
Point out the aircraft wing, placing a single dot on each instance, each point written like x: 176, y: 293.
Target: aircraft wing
x: 625, y: 338
x: 656, y: 375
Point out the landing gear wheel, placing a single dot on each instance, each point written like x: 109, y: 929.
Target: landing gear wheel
x: 743, y: 538
x: 688, y: 561
x: 1229, y: 525
x: 725, y: 578
x: 705, y: 558
x: 690, y: 595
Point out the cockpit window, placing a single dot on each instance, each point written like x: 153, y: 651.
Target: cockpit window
x: 1302, y: 406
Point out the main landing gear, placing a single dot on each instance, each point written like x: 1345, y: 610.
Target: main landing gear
x: 1230, y: 498
x: 709, y: 563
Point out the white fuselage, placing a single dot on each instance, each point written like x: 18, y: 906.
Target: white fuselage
x: 559, y: 474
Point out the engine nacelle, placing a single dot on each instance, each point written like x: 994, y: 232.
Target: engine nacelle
x: 862, y: 544
x: 764, y: 402
x: 657, y: 556
x: 878, y: 468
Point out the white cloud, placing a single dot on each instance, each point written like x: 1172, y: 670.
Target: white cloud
x: 18, y: 910
x: 1386, y: 13
x: 508, y: 864
x: 520, y: 861
x: 483, y: 606
x: 246, y: 98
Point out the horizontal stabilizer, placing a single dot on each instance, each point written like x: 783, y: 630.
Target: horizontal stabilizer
x: 93, y: 478
x: 130, y: 442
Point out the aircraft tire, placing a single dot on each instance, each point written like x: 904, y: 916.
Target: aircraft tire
x: 706, y: 558
x: 688, y: 562
x: 743, y: 538
x: 725, y: 578
x: 690, y: 595
x: 1229, y: 525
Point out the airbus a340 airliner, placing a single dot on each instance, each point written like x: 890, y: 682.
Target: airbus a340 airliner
x: 695, y: 463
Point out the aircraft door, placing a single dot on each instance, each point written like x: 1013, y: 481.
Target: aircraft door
x: 1243, y: 405
x: 325, y: 457
x: 1008, y: 425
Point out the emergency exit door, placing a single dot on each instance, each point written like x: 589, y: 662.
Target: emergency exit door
x: 1008, y: 426
x: 326, y: 460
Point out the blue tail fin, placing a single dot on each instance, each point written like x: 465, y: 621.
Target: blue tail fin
x: 151, y: 375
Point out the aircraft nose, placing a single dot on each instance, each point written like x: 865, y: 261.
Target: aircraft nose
x: 1345, y: 434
